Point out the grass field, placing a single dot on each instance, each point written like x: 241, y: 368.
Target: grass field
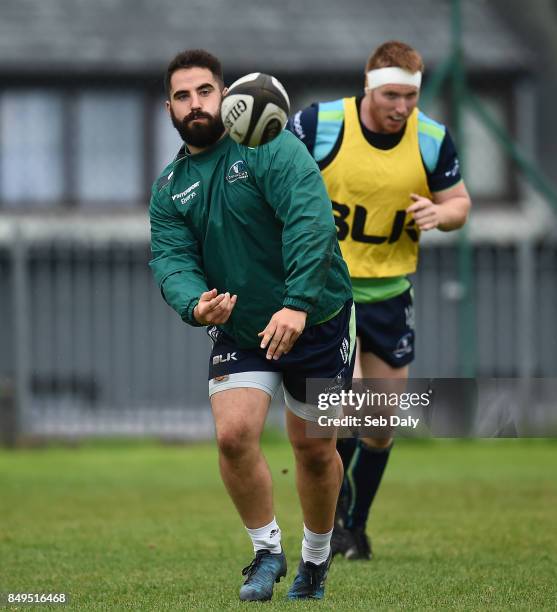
x: 139, y: 526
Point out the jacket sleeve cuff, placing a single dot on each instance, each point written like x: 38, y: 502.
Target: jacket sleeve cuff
x: 297, y: 304
x: 187, y: 315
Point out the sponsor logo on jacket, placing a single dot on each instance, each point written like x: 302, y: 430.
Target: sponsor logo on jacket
x: 186, y: 195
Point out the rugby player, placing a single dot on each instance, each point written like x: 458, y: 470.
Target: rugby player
x: 391, y: 172
x: 244, y: 242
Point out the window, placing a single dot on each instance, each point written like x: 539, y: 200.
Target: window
x: 31, y: 159
x: 109, y: 149
x: 486, y: 168
x: 72, y: 147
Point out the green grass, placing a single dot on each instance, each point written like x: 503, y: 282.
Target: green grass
x: 139, y: 526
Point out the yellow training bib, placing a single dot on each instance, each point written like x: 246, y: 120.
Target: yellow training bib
x: 370, y: 189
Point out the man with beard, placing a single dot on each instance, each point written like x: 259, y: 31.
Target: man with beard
x: 244, y: 242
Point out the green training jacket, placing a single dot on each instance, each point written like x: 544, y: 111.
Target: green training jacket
x: 256, y: 222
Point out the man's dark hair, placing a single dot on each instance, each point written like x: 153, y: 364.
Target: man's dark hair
x: 193, y: 58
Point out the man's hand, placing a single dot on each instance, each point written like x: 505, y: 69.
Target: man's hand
x: 425, y: 212
x: 282, y: 331
x: 213, y: 309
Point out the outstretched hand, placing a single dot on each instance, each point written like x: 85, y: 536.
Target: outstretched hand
x: 282, y: 331
x: 213, y: 308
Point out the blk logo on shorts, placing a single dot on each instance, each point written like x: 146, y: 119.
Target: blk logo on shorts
x: 222, y: 359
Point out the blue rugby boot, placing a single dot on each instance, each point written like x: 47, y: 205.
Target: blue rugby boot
x: 310, y: 580
x: 261, y: 575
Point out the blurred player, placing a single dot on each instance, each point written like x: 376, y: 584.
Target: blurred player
x: 391, y: 172
x: 244, y: 241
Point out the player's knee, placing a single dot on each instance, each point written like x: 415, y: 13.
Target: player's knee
x: 235, y: 443
x: 316, y: 456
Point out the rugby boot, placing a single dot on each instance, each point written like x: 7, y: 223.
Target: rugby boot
x: 340, y: 540
x: 358, y: 545
x: 310, y: 580
x: 261, y: 575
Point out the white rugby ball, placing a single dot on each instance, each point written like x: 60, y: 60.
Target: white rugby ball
x: 255, y: 109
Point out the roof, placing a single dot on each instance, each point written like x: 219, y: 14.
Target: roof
x: 138, y: 36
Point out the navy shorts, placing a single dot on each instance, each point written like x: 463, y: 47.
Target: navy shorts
x: 386, y: 329
x: 323, y: 351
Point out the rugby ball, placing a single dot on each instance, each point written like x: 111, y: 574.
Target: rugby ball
x: 255, y: 109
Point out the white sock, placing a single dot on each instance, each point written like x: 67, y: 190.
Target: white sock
x: 316, y: 546
x: 266, y: 537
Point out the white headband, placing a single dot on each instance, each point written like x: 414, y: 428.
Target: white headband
x: 393, y: 76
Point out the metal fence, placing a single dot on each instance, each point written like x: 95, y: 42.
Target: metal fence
x: 514, y: 295
x: 90, y: 348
